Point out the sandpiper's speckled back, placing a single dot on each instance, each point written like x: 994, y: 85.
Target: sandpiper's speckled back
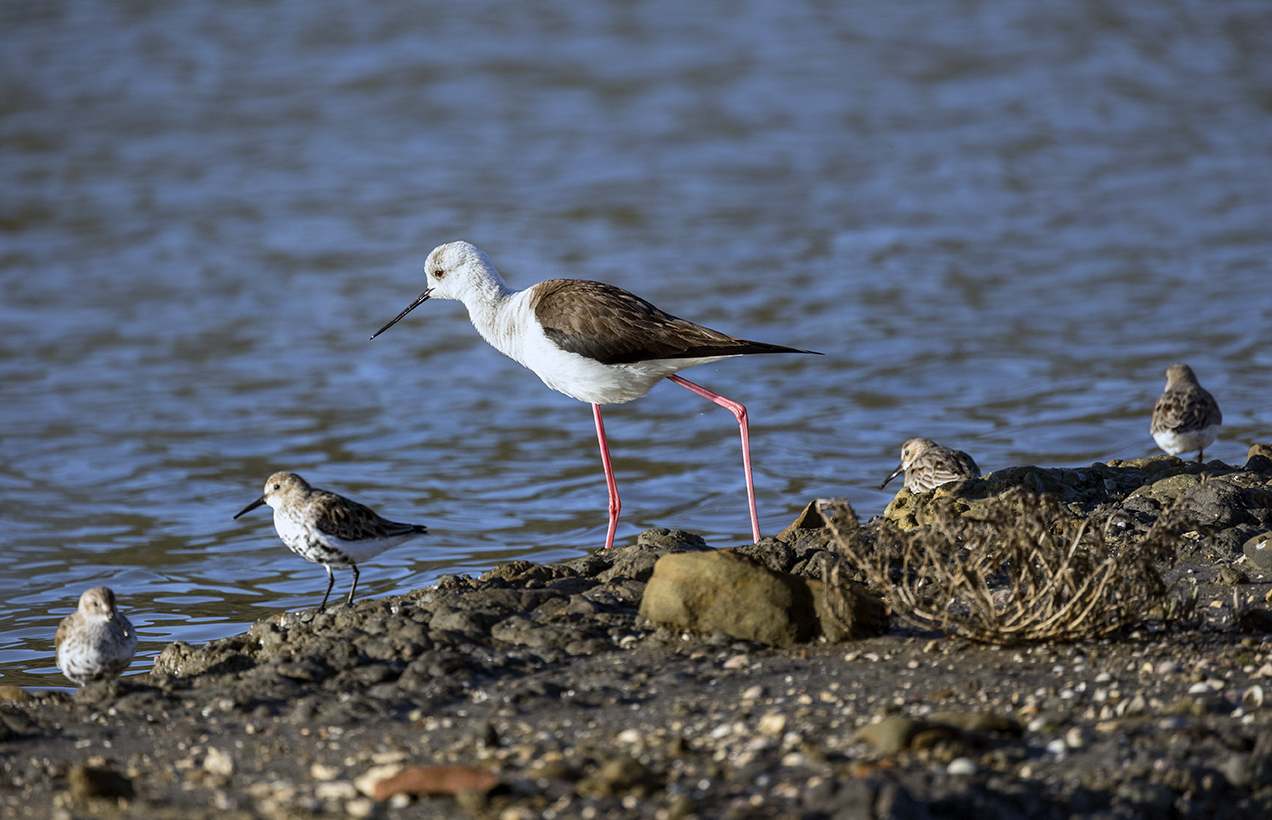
x: 928, y: 465
x: 1186, y: 417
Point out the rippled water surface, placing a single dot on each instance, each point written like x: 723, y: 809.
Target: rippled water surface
x: 999, y: 220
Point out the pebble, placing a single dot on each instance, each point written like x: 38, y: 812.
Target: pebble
x: 1258, y: 550
x: 336, y: 790
x: 721, y: 731
x: 772, y: 724
x: 1206, y: 687
x: 1135, y: 706
x: 962, y: 766
x: 218, y: 762
x: 367, y: 782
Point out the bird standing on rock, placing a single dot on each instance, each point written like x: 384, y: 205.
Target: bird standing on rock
x: 328, y: 529
x: 591, y: 341
x: 1186, y: 417
x: 928, y: 465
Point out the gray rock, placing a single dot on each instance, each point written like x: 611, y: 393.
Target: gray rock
x: 338, y: 652
x: 591, y: 565
x: 1258, y: 550
x: 523, y: 631
x: 770, y: 552
x: 182, y: 660
x: 572, y: 586
x: 1258, y: 463
x: 520, y: 573
x: 1217, y: 504
x: 463, y: 621
x: 307, y: 670
x: 619, y: 594
x: 667, y: 540
x: 637, y: 561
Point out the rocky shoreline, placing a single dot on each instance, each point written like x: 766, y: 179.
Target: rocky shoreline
x: 541, y: 691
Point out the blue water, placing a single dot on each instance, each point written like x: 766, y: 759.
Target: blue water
x: 999, y: 220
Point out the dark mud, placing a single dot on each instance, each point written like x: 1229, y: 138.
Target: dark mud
x: 547, y: 677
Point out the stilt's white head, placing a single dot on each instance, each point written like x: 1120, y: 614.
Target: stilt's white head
x: 456, y: 270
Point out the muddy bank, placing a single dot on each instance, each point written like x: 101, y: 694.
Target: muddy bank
x: 548, y: 677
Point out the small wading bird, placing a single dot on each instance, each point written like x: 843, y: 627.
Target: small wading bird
x: 591, y: 341
x: 328, y: 529
x: 1186, y: 417
x: 927, y: 465
x: 95, y: 642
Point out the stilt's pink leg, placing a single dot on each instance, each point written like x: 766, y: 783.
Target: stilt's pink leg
x: 614, y: 504
x: 739, y: 412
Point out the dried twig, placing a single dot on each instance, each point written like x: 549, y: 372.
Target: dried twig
x: 1022, y: 570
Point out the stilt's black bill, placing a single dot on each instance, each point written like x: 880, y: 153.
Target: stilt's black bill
x: 413, y: 306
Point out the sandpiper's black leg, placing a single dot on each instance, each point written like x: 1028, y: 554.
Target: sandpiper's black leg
x: 331, y: 580
x: 353, y: 588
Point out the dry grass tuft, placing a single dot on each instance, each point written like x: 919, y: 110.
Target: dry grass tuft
x: 1022, y: 570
